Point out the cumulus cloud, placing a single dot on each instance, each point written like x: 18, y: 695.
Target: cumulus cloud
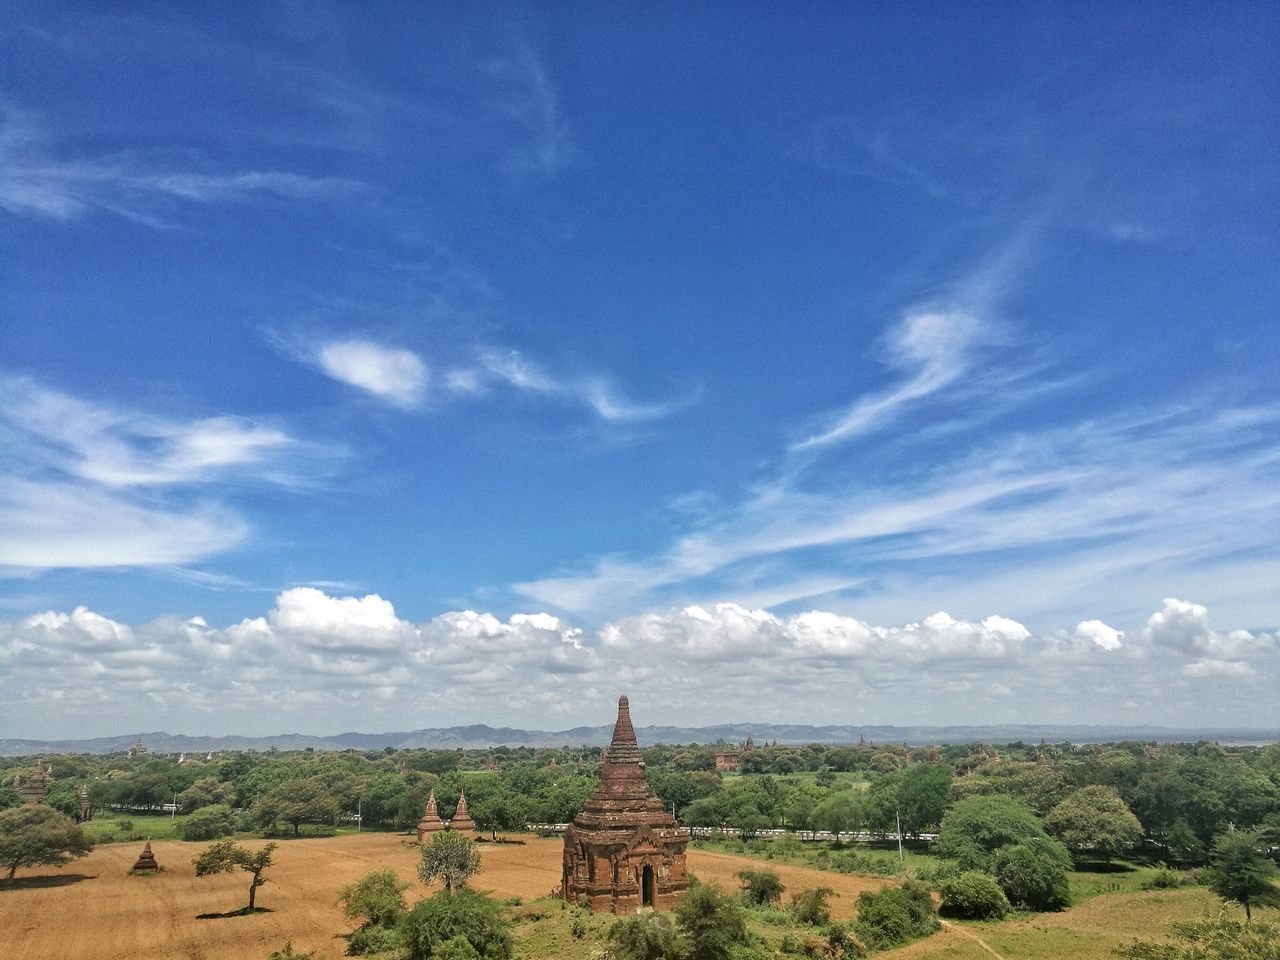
x: 328, y: 660
x: 1183, y: 627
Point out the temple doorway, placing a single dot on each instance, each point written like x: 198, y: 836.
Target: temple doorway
x: 647, y: 886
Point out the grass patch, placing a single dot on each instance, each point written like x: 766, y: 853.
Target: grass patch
x: 130, y: 828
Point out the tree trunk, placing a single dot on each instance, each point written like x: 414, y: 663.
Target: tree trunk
x: 1248, y: 916
x: 13, y: 868
x: 253, y: 891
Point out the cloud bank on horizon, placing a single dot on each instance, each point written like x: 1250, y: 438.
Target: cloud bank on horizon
x: 326, y: 662
x: 737, y: 372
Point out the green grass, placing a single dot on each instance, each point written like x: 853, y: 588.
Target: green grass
x: 106, y: 827
x: 1122, y: 876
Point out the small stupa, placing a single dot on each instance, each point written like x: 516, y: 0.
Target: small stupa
x: 462, y: 822
x: 146, y: 860
x: 430, y: 822
x: 86, y: 808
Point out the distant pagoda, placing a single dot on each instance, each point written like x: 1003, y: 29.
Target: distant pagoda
x: 624, y: 851
x: 86, y: 808
x: 430, y: 822
x: 462, y: 822
x: 36, y: 787
x: 146, y: 861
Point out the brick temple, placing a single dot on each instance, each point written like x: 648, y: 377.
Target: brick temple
x: 624, y: 851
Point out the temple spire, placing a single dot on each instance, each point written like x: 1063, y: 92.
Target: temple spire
x: 623, y: 748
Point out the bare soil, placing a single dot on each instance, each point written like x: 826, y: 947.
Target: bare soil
x: 94, y: 909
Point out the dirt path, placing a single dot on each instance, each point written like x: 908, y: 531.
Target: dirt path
x: 972, y: 936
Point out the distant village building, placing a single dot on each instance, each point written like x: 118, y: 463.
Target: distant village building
x: 624, y: 850
x: 430, y: 822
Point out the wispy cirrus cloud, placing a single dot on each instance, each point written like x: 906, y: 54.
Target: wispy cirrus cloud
x: 41, y: 178
x: 330, y: 659
x: 523, y: 93
x: 85, y: 484
x: 404, y: 378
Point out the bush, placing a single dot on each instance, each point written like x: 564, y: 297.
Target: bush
x: 650, y: 936
x: 373, y: 939
x: 973, y: 896
x: 208, y: 823
x: 377, y: 898
x: 810, y: 906
x: 761, y: 886
x: 1165, y: 878
x: 895, y: 915
x: 974, y: 829
x: 711, y: 922
x: 288, y: 953
x: 462, y: 913
x: 1034, y: 874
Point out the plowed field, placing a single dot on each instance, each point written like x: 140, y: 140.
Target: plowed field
x: 93, y: 909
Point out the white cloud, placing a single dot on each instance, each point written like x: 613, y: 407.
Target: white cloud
x: 392, y: 374
x: 1095, y: 631
x: 1183, y: 628
x: 526, y: 96
x: 334, y: 659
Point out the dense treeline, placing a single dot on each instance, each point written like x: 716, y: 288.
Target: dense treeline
x: 1183, y: 795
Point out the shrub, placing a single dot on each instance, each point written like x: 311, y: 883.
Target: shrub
x: 711, y: 922
x: 649, y: 936
x: 376, y: 899
x: 895, y: 915
x: 462, y: 913
x: 288, y: 953
x: 1164, y: 878
x: 1034, y: 874
x: 208, y: 823
x: 973, y: 896
x: 578, y: 928
x: 373, y: 939
x: 761, y: 886
x: 810, y: 906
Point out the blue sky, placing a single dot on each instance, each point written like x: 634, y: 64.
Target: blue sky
x: 403, y: 367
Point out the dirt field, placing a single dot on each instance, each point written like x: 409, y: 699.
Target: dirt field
x: 93, y: 909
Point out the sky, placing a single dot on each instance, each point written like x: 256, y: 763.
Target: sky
x: 382, y: 366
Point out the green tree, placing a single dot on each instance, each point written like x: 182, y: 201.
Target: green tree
x: 1033, y: 874
x: 296, y: 802
x: 1216, y: 938
x: 974, y: 829
x: 450, y: 858
x: 1094, y: 819
x: 649, y: 936
x: 761, y: 886
x: 205, y: 792
x: 9, y: 797
x: 208, y: 823
x: 225, y: 855
x: 1240, y: 872
x: 711, y: 923
x: 924, y: 793
x: 34, y: 834
x: 812, y: 905
x: 376, y: 899
x: 432, y: 928
x: 842, y: 812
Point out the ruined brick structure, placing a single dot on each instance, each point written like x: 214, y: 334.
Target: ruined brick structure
x: 624, y: 851
x: 146, y: 861
x: 86, y: 808
x: 462, y: 822
x: 35, y: 789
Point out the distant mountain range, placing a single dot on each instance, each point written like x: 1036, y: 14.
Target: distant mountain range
x: 479, y: 736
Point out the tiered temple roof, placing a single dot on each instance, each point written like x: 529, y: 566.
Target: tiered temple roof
x: 146, y: 860
x: 430, y: 822
x: 462, y: 822
x: 624, y: 851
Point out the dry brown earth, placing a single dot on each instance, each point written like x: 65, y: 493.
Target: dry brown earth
x: 93, y: 909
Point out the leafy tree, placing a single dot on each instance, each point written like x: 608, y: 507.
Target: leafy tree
x: 9, y: 797
x: 377, y: 898
x: 1033, y: 874
x: 648, y: 936
x: 64, y: 796
x: 811, y: 905
x: 35, y: 834
x: 974, y: 829
x: 208, y: 823
x: 432, y: 928
x: 892, y: 916
x: 1240, y: 872
x: 205, y: 792
x: 973, y: 896
x: 761, y: 886
x: 296, y: 802
x: 1216, y: 938
x: 711, y: 922
x: 1183, y: 844
x: 841, y: 812
x: 924, y: 793
x: 450, y: 858
x: 225, y: 855
x: 704, y: 812
x: 1094, y: 819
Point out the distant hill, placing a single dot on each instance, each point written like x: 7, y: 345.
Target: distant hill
x: 481, y: 736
